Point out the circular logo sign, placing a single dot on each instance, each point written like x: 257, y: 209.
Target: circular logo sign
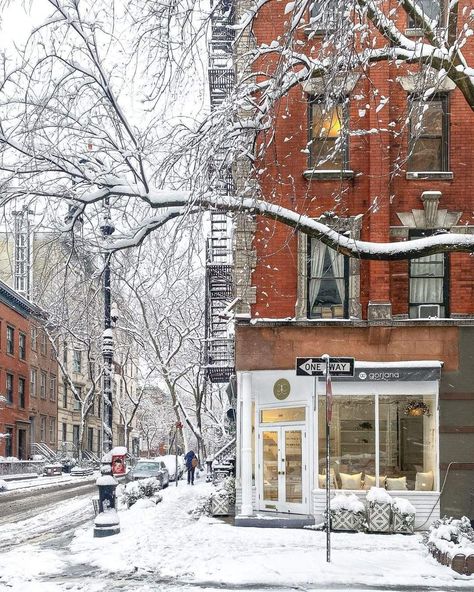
x: 281, y: 389
x: 362, y: 375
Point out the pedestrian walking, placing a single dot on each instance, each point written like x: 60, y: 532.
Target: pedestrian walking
x: 191, y: 461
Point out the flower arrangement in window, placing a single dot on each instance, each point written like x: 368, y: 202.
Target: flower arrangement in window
x: 417, y: 408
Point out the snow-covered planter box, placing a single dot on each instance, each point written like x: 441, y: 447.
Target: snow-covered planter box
x: 403, y: 516
x: 347, y: 513
x: 223, y: 498
x: 379, y: 510
x: 451, y: 542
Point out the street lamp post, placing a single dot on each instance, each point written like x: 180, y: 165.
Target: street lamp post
x: 107, y: 229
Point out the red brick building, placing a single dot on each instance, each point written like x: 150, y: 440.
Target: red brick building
x: 371, y: 157
x: 27, y: 378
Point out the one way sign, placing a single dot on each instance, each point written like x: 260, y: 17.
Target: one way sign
x: 317, y: 366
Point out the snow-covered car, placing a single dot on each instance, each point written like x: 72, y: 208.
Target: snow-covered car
x: 170, y: 462
x: 144, y: 469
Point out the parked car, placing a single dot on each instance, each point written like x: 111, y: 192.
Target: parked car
x: 170, y: 462
x: 144, y: 469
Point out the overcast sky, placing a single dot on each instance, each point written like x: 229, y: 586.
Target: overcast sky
x: 17, y: 22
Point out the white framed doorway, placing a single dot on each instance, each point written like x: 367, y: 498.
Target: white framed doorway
x: 282, y: 461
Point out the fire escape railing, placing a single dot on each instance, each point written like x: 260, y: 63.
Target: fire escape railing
x: 219, y: 344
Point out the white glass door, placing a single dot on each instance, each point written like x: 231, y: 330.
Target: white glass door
x: 283, y: 469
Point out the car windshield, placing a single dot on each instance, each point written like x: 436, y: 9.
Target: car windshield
x: 147, y: 466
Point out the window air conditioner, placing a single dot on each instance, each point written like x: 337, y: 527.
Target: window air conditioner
x: 429, y: 311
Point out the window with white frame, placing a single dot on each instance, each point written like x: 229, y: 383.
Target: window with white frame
x: 429, y: 289
x: 390, y: 443
x: 22, y: 346
x: 9, y: 387
x: 43, y: 428
x: 43, y: 381
x: 52, y: 430
x: 33, y: 382
x: 328, y: 282
x: 52, y: 387
x: 10, y: 340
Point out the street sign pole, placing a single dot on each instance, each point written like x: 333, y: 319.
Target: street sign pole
x: 328, y: 467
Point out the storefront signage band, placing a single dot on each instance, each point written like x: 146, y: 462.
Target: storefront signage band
x: 379, y: 374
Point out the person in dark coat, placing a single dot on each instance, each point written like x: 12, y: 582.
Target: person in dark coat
x: 191, y: 461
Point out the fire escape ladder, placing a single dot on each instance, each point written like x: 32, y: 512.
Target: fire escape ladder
x: 219, y: 343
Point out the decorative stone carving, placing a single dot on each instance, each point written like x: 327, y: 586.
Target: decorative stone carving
x: 430, y: 217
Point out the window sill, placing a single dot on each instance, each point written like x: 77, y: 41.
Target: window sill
x: 328, y: 175
x: 434, y: 175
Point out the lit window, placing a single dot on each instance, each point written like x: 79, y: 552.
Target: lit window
x: 428, y: 143
x: 328, y: 140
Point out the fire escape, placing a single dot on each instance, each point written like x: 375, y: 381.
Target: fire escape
x: 219, y: 343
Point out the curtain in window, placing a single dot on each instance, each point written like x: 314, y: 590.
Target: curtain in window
x: 338, y: 270
x: 318, y: 250
x: 426, y: 285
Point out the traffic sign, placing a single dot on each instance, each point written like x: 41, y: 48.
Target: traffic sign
x: 317, y: 366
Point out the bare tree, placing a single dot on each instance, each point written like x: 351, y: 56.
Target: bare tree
x: 76, y: 131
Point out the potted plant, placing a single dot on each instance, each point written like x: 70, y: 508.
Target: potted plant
x: 347, y: 513
x: 379, y: 510
x: 223, y: 498
x: 403, y: 516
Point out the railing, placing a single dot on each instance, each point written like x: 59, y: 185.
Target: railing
x: 40, y: 448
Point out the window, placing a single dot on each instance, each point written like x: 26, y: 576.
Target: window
x: 328, y: 140
x: 65, y: 396
x: 324, y: 14
x: 328, y: 282
x: 43, y: 385
x: 9, y: 387
x: 90, y: 439
x: 429, y: 286
x: 43, y: 345
x: 76, y: 360
x: 21, y: 393
x: 75, y: 435
x: 22, y: 346
x: 43, y: 428
x: 65, y: 356
x: 77, y: 398
x: 9, y: 442
x: 33, y: 382
x: 34, y: 338
x: 428, y: 143
x: 64, y: 432
x: 10, y: 340
x: 52, y: 387
x: 380, y: 445
x: 430, y: 9
x: 52, y: 430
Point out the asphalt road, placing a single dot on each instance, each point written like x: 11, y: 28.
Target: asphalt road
x: 25, y: 508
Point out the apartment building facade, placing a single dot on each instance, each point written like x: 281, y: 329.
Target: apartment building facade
x: 372, y: 157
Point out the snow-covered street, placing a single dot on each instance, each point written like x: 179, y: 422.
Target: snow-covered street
x: 164, y: 547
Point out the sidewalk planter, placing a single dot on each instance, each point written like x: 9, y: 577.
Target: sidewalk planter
x: 379, y: 510
x: 347, y: 520
x: 451, y: 542
x: 220, y: 505
x: 347, y: 513
x: 403, y: 516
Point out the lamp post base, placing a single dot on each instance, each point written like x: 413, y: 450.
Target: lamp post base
x: 106, y: 524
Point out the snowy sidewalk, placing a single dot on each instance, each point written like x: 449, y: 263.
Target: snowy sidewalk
x: 164, y: 548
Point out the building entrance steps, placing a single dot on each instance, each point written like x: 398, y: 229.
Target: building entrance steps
x: 275, y: 520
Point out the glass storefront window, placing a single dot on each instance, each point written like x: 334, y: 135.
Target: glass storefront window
x: 405, y: 430
x: 407, y: 442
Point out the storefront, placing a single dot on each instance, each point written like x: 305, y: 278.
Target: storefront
x: 384, y: 433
